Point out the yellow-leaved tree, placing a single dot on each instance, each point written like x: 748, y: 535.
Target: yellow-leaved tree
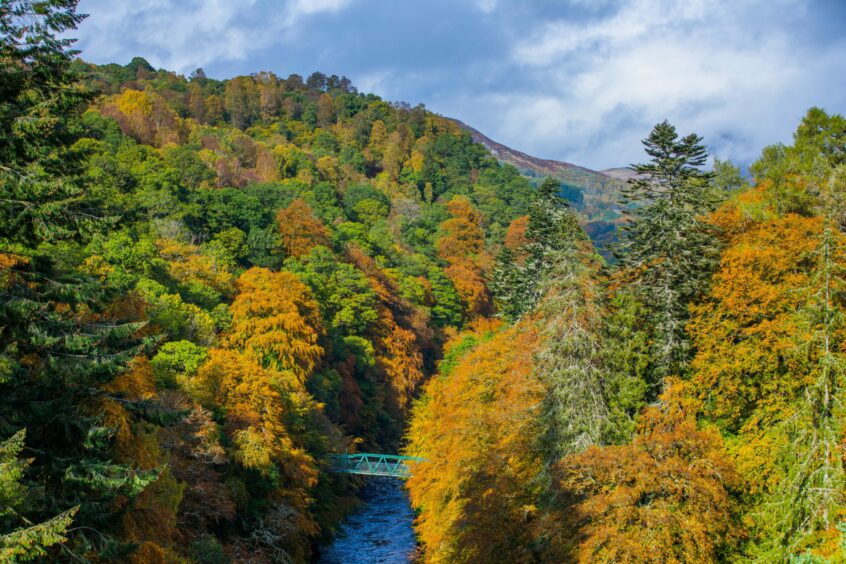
x: 770, y: 369
x: 276, y: 322
x: 477, y: 492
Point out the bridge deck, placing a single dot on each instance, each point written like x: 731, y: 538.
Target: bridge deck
x: 367, y: 464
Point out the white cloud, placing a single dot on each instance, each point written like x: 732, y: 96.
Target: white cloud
x: 376, y: 81
x: 595, y: 89
x: 185, y: 34
x: 298, y: 9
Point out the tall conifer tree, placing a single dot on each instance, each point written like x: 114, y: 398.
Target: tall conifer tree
x: 58, y: 346
x: 574, y: 412
x: 666, y: 246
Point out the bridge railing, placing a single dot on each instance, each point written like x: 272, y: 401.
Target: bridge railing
x: 367, y: 464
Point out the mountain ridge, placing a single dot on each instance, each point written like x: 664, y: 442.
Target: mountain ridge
x: 595, y: 195
x: 512, y: 156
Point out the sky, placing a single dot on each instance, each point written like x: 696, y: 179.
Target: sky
x: 576, y: 80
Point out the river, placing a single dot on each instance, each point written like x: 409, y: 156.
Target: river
x: 379, y: 532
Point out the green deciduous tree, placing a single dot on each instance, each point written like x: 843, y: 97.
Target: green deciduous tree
x: 347, y: 302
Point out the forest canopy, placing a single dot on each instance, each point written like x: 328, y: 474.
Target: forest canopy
x: 211, y: 286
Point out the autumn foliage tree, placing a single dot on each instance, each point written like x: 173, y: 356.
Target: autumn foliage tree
x: 276, y: 322
x: 773, y: 376
x: 258, y: 378
x: 255, y: 401
x: 667, y: 497
x: 462, y: 246
x: 400, y: 338
x: 301, y: 231
x: 477, y: 492
x: 146, y: 117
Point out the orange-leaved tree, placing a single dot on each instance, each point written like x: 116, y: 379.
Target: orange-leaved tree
x: 478, y: 491
x: 462, y: 246
x: 667, y: 497
x: 515, y: 238
x: 770, y: 369
x: 257, y: 409
x: 261, y: 419
x: 462, y: 236
x: 300, y: 229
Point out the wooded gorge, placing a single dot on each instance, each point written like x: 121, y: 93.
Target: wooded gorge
x: 209, y: 286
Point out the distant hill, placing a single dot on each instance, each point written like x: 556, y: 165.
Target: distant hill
x: 623, y: 173
x: 593, y: 194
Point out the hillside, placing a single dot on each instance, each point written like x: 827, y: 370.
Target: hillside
x: 593, y: 194
x: 272, y: 266
x: 223, y: 301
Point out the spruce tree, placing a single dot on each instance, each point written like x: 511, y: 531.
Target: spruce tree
x: 58, y: 344
x: 667, y: 248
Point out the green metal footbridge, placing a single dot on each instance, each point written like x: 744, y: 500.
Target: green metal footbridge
x: 366, y: 464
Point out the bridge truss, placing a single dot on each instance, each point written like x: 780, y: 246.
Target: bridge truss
x: 366, y: 464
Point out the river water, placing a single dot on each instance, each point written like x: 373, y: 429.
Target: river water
x: 379, y: 532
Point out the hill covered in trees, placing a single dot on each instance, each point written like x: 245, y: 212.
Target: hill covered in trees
x: 209, y: 286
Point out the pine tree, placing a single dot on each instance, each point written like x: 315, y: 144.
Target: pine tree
x: 667, y: 248
x: 574, y: 412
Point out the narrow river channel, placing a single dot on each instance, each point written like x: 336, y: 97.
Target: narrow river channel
x: 379, y: 532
